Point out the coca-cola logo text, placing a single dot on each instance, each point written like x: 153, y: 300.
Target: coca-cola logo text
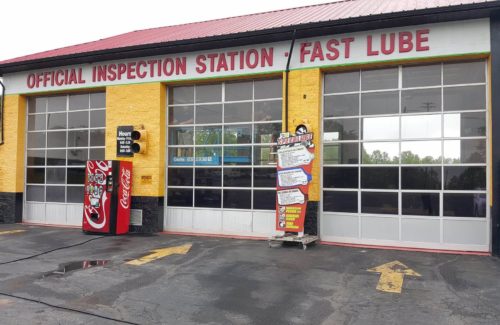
x: 125, y: 182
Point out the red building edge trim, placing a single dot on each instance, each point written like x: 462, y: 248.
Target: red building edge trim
x: 407, y: 249
x: 197, y: 234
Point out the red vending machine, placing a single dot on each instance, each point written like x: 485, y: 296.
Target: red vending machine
x: 106, y: 206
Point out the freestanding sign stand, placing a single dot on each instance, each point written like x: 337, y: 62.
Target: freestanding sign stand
x: 295, y: 156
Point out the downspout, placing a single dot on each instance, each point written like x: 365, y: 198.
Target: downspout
x: 1, y: 111
x: 287, y: 70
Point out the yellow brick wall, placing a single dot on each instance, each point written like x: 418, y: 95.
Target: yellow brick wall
x: 304, y: 107
x: 140, y: 104
x: 12, y: 151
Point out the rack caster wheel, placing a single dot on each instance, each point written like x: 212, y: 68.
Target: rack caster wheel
x: 304, y: 247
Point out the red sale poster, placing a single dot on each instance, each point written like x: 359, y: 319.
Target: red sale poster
x: 295, y: 156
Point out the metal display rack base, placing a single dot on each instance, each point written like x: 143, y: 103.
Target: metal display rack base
x: 303, y: 240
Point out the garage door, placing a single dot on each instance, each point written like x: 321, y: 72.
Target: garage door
x: 63, y: 132
x: 405, y: 157
x: 221, y: 173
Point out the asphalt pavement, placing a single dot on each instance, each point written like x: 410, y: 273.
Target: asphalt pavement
x: 62, y: 276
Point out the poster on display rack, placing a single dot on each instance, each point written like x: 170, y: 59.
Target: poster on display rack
x: 295, y: 156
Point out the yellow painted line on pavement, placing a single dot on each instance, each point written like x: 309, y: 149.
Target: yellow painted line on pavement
x: 161, y: 253
x: 10, y: 232
x: 392, y: 276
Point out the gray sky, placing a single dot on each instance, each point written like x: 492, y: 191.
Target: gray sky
x: 31, y: 26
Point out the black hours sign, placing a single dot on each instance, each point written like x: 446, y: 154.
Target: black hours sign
x: 124, y: 141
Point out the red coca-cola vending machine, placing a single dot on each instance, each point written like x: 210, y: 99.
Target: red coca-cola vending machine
x: 106, y: 206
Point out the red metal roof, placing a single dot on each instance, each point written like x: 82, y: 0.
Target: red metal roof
x: 248, y: 23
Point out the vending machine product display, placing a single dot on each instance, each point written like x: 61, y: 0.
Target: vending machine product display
x: 108, y: 186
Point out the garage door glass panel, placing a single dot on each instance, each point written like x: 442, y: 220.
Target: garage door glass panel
x: 236, y: 91
x: 35, y: 157
x: 421, y: 76
x: 97, y: 100
x: 379, y: 79
x: 471, y: 151
x: 208, y: 93
x: 379, y: 203
x: 79, y: 102
x: 35, y: 193
x: 420, y: 204
x: 380, y: 153
x: 264, y: 200
x: 264, y: 177
x: 464, y: 205
x: 241, y: 155
x: 208, y: 156
x: 267, y: 111
x: 57, y: 103
x: 341, y: 201
x: 74, y: 194
x: 237, y: 112
x: 380, y: 128
x: 179, y: 197
x: 237, y: 199
x: 264, y: 89
x: 464, y: 125
x: 56, y: 139
x: 63, y: 149
x: 421, y: 152
x: 380, y: 177
x: 181, y: 95
x: 340, y: 177
x: 35, y: 175
x: 56, y: 121
x: 421, y: 100
x: 342, y: 82
x: 57, y: 157
x: 55, y: 194
x: 37, y: 105
x: 37, y: 122
x: 464, y: 178
x: 464, y: 98
x: 208, y: 114
x: 205, y: 198
x: 341, y: 153
x: 180, y: 176
x: 237, y: 177
x: 342, y: 129
x: 464, y: 73
x: 208, y: 177
x: 78, y: 120
x: 181, y: 115
x: 386, y: 102
x: 341, y: 105
x: 77, y: 157
x: 421, y: 178
x: 421, y: 126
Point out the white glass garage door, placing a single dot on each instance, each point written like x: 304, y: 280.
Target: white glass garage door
x: 221, y: 157
x: 405, y: 154
x: 63, y: 132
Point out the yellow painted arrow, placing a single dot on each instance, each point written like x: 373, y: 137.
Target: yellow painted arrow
x: 9, y: 232
x: 160, y: 253
x: 392, y: 276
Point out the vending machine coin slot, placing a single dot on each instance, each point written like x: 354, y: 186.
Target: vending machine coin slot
x: 109, y: 183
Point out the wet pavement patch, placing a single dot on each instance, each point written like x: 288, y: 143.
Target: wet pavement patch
x: 74, y: 266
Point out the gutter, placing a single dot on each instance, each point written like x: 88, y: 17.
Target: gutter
x: 287, y: 70
x: 405, y: 18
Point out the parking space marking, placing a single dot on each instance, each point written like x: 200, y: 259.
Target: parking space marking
x: 161, y: 253
x: 392, y: 275
x: 10, y: 232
